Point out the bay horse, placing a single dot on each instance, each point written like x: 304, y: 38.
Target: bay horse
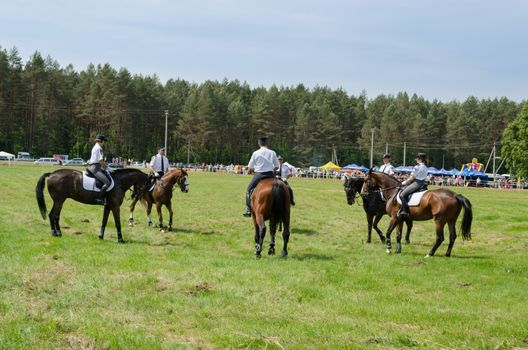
x: 374, y: 205
x: 442, y: 205
x: 160, y: 195
x: 271, y: 201
x: 67, y: 183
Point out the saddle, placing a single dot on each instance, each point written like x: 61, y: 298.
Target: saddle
x: 90, y: 182
x: 414, y: 201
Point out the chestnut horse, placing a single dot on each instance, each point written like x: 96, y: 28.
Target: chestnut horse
x: 160, y: 195
x: 374, y: 205
x: 271, y: 201
x: 67, y: 183
x: 442, y: 205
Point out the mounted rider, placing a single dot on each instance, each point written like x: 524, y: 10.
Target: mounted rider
x: 387, y: 167
x: 97, y: 166
x: 158, y: 166
x: 285, y: 173
x: 416, y: 181
x: 263, y: 162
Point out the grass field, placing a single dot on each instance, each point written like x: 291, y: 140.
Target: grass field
x: 201, y: 287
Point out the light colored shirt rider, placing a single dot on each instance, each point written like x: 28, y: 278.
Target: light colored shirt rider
x: 97, y: 165
x: 387, y: 167
x: 159, y: 164
x: 416, y: 181
x: 263, y: 162
x: 285, y: 173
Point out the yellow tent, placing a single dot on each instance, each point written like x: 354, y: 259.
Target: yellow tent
x: 329, y: 166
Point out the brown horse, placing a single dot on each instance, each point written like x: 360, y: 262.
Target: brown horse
x: 374, y: 205
x: 443, y: 206
x: 160, y: 195
x: 271, y: 201
x: 67, y: 183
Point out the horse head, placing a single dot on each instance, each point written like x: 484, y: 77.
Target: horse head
x: 352, y: 187
x: 182, y: 179
x: 369, y: 184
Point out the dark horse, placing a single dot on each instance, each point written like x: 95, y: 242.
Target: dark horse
x: 160, y: 195
x: 374, y: 206
x: 66, y: 183
x: 271, y: 201
x: 443, y: 206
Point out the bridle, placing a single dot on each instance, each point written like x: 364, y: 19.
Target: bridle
x: 382, y: 191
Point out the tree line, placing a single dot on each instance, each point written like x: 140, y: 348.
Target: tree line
x: 46, y: 108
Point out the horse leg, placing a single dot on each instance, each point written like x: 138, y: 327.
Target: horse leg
x: 160, y: 216
x: 439, y: 224
x: 369, y: 222
x: 257, y: 234
x: 54, y: 216
x: 117, y: 220
x: 169, y: 207
x: 392, y: 224
x: 149, y: 211
x: 409, y: 224
x: 399, y: 236
x: 131, y: 217
x: 452, y: 236
x: 376, y: 221
x: 285, y: 237
x: 273, y: 230
x: 106, y: 212
x: 261, y: 235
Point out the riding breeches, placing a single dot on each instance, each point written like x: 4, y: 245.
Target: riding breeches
x: 99, y: 174
x: 254, y: 182
x: 408, y: 191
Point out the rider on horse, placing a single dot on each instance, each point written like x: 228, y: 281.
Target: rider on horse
x: 416, y: 181
x: 387, y: 167
x: 159, y: 164
x: 97, y: 166
x: 263, y: 162
x: 285, y: 173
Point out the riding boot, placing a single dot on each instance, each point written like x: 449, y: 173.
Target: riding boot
x: 102, y: 199
x: 247, y: 212
x: 404, y: 211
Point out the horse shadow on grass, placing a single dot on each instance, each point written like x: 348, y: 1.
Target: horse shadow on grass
x: 304, y: 231
x: 441, y: 255
x: 311, y: 256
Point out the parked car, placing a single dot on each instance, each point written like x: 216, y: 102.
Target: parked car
x: 115, y: 165
x: 47, y: 161
x: 74, y: 161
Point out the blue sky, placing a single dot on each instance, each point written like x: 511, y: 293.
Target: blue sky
x: 442, y: 49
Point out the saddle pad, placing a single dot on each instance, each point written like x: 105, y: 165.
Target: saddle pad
x: 89, y: 183
x: 414, y: 200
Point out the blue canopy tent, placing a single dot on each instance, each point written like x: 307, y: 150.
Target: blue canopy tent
x: 474, y: 175
x: 433, y: 171
x: 356, y: 167
x: 403, y: 169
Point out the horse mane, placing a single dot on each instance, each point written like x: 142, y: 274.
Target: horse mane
x: 125, y: 171
x: 391, y: 179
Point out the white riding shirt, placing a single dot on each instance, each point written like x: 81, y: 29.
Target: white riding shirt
x: 263, y: 160
x: 156, y: 163
x: 419, y: 172
x: 387, y: 169
x: 96, y: 155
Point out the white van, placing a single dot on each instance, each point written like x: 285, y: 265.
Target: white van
x: 47, y: 161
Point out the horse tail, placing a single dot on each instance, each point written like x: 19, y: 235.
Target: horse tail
x: 468, y: 216
x: 40, y: 194
x: 277, y: 207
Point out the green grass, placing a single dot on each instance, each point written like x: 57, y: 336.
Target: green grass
x: 201, y: 287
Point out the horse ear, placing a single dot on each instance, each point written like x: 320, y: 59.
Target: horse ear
x: 370, y: 170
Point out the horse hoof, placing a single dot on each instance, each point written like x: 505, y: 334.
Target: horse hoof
x: 284, y: 254
x: 407, y: 241
x: 101, y: 236
x: 388, y: 251
x: 170, y: 229
x: 428, y: 256
x: 271, y: 252
x: 150, y: 224
x: 120, y: 240
x: 162, y: 230
x: 382, y: 239
x: 368, y: 241
x: 258, y: 256
x: 131, y: 224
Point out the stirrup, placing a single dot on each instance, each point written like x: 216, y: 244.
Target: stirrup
x: 101, y: 201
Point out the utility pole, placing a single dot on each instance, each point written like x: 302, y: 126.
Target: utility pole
x: 166, y: 128
x: 386, y: 147
x: 494, y: 174
x: 372, y: 147
x: 404, y: 152
x: 188, y: 151
x: 443, y: 161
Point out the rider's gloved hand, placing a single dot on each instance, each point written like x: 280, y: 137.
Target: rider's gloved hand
x: 404, y: 183
x: 156, y: 174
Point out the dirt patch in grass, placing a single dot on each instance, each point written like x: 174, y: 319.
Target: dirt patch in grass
x: 199, y: 289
